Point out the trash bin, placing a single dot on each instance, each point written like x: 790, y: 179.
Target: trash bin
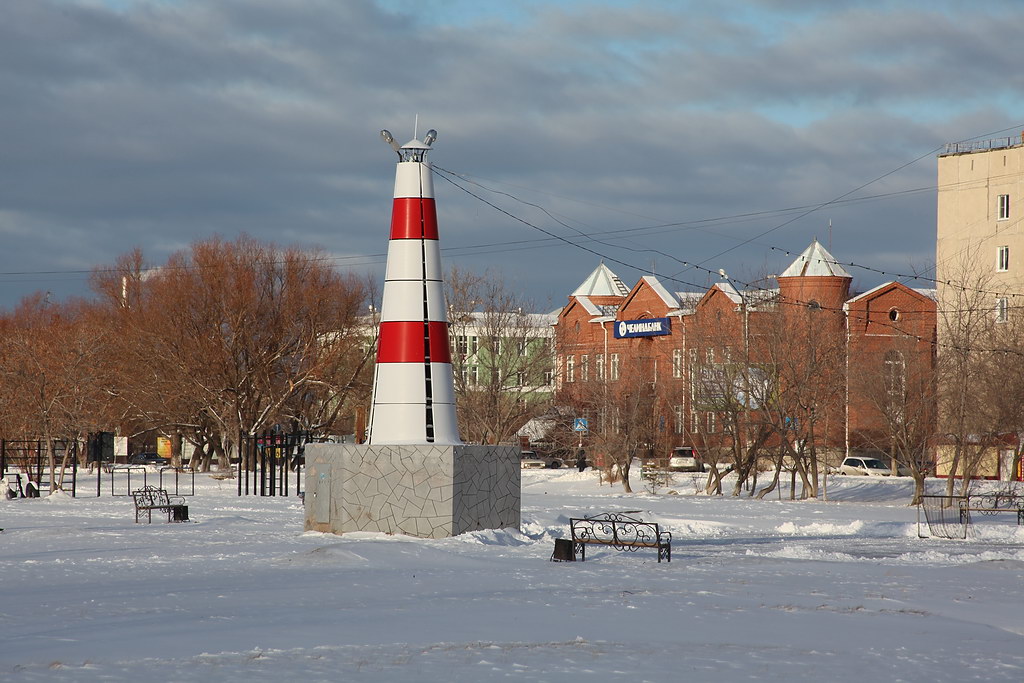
x: 563, y: 551
x: 179, y: 513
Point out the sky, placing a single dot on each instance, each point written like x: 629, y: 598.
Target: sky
x: 672, y: 138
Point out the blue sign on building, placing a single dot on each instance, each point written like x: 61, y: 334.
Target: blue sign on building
x: 648, y: 327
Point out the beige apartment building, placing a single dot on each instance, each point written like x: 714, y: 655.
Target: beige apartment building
x: 980, y: 235
x: 980, y: 270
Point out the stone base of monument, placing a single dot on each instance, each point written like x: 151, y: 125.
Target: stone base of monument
x: 418, y: 490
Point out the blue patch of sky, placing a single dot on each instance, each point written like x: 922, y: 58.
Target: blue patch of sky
x: 462, y: 13
x: 123, y: 5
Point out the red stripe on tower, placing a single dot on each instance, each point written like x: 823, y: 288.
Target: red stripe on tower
x: 413, y: 218
x: 402, y: 342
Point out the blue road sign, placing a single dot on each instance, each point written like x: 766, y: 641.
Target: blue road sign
x: 579, y: 424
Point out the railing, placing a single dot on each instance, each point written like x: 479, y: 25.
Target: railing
x: 982, y: 145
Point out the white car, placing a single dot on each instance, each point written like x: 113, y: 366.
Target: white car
x: 684, y: 459
x: 870, y: 467
x: 529, y: 460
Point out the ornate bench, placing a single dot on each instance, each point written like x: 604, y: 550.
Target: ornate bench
x: 620, y: 531
x: 150, y: 498
x: 991, y: 504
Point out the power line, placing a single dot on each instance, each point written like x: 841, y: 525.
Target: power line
x: 699, y: 266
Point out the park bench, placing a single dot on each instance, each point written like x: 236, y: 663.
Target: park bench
x: 620, y: 531
x: 992, y: 504
x: 150, y: 498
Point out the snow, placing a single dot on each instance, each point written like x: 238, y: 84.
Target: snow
x: 838, y: 590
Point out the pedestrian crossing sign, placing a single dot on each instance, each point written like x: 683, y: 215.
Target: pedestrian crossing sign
x: 579, y: 424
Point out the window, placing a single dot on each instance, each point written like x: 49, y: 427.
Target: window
x: 496, y: 345
x: 549, y: 378
x: 894, y: 314
x: 1003, y: 208
x: 613, y: 370
x: 895, y: 374
x: 711, y: 423
x: 1002, y: 259
x: 677, y: 363
x: 694, y: 422
x: 614, y: 421
x: 470, y: 375
x: 895, y: 384
x: 680, y: 424
x: 474, y: 345
x: 711, y: 356
x: 600, y: 367
x: 1002, y: 309
x: 570, y: 368
x: 461, y: 345
x: 584, y: 368
x: 520, y: 378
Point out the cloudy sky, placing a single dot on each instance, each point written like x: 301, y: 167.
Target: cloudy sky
x: 649, y: 133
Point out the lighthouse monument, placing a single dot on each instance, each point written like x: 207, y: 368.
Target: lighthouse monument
x: 414, y: 475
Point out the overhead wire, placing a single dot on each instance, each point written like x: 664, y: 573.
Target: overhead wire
x: 699, y: 266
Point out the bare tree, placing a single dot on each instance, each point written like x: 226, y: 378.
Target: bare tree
x: 968, y: 419
x: 895, y: 390
x: 49, y: 367
x: 803, y: 348
x: 229, y: 337
x: 626, y: 416
x: 501, y: 357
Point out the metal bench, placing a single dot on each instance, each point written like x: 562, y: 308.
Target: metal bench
x: 991, y: 504
x: 150, y: 498
x: 620, y: 531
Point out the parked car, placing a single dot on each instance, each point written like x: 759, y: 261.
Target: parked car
x: 532, y: 460
x: 528, y: 460
x: 685, y: 459
x: 870, y: 467
x: 152, y: 459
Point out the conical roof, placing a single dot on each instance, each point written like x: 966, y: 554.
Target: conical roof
x: 601, y: 282
x: 815, y: 262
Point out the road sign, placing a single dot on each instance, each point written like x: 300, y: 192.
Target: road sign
x: 580, y: 424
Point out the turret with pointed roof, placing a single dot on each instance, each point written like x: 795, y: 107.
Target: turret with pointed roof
x: 601, y: 282
x: 815, y: 279
x: 815, y: 261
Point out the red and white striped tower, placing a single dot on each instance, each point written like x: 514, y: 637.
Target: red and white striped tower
x: 413, y: 389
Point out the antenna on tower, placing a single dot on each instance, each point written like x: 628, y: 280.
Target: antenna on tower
x: 416, y: 128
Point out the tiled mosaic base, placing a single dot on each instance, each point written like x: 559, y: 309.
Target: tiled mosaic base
x: 418, y: 490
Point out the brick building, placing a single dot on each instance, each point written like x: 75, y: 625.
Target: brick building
x: 799, y: 362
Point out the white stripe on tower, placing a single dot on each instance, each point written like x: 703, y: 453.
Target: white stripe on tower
x: 413, y: 387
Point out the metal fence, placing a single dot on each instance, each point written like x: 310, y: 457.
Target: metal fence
x: 272, y: 463
x: 25, y: 465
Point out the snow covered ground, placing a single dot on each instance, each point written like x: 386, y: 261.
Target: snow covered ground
x: 756, y: 590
